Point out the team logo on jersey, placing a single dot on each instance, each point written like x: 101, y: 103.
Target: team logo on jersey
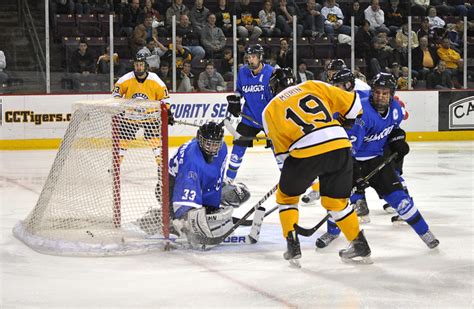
x: 139, y: 95
x: 192, y: 175
x: 253, y: 88
x: 381, y: 135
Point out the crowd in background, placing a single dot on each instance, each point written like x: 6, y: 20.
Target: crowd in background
x: 204, y: 58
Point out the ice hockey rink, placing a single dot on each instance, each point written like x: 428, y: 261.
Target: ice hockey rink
x: 405, y: 273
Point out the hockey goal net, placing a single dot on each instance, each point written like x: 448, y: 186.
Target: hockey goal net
x: 107, y: 191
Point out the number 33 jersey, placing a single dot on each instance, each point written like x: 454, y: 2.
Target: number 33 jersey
x: 196, y: 182
x: 299, y: 120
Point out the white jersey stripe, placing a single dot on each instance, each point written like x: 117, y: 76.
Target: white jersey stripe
x: 319, y: 136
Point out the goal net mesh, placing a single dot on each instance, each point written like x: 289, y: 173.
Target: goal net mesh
x: 107, y: 191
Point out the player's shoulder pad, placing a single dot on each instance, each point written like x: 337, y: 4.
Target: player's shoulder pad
x: 126, y: 77
x: 154, y: 77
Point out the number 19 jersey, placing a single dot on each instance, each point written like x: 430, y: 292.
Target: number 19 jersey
x: 299, y: 120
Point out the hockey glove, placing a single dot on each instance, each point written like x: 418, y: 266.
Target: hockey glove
x: 397, y: 142
x: 359, y: 184
x: 233, y: 106
x: 170, y: 118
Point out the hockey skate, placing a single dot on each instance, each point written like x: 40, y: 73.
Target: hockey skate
x: 388, y: 209
x: 362, y: 210
x: 397, y: 220
x: 358, y: 251
x: 310, y: 198
x: 293, y: 252
x: 430, y: 240
x: 325, y: 240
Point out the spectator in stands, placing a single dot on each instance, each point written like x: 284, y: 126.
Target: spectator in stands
x: 357, y: 12
x: 434, y: 20
x: 210, y: 80
x: 363, y: 40
x: 224, y: 17
x: 312, y: 20
x: 334, y: 19
x: 158, y: 20
x: 324, y: 76
x: 285, y: 12
x: 402, y: 80
x: 424, y: 58
x: 285, y: 55
x: 62, y: 7
x: 176, y: 9
x: 247, y: 28
x: 190, y: 38
x: 267, y: 18
x: 461, y: 7
x: 153, y: 51
x: 455, y: 34
x: 402, y: 35
x: 440, y: 78
x: 181, y: 52
x: 395, y: 16
x: 142, y: 33
x: 419, y: 7
x: 165, y: 74
x: 358, y: 74
x: 212, y: 38
x: 103, y: 63
x: 3, y: 65
x: 133, y: 15
x: 186, y: 78
x: 198, y: 15
x: 399, y: 53
x: 227, y: 68
x: 378, y: 59
x: 376, y: 17
x: 451, y: 58
x: 303, y: 73
x: 425, y: 30
x: 82, y: 60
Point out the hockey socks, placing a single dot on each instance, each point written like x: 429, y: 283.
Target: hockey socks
x: 235, y: 160
x: 288, y: 217
x: 407, y: 210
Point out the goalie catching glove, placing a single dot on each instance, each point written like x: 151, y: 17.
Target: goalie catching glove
x: 234, y: 107
x: 197, y: 225
x: 234, y: 194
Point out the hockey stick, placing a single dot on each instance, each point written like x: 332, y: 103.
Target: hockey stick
x: 219, y: 239
x: 237, y: 135
x: 308, y: 232
x: 249, y: 222
x: 186, y: 123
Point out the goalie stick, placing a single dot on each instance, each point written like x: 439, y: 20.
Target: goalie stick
x: 219, y: 239
x: 249, y: 222
x: 308, y: 232
x: 254, y: 234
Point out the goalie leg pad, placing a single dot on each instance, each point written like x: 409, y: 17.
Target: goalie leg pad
x: 234, y: 194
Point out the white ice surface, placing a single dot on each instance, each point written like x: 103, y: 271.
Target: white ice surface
x: 405, y: 273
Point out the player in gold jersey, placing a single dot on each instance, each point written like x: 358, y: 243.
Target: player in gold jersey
x: 299, y: 120
x: 141, y: 84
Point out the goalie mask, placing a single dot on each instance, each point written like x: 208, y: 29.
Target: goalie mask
x: 210, y: 136
x: 383, y: 88
x: 281, y: 79
x: 344, y: 79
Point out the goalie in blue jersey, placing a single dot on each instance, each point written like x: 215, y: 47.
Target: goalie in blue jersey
x: 253, y: 87
x: 373, y: 136
x: 201, y: 206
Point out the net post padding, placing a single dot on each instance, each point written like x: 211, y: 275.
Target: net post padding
x: 107, y: 191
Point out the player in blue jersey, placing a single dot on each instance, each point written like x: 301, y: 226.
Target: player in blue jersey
x: 373, y: 136
x: 252, y: 85
x: 196, y: 181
